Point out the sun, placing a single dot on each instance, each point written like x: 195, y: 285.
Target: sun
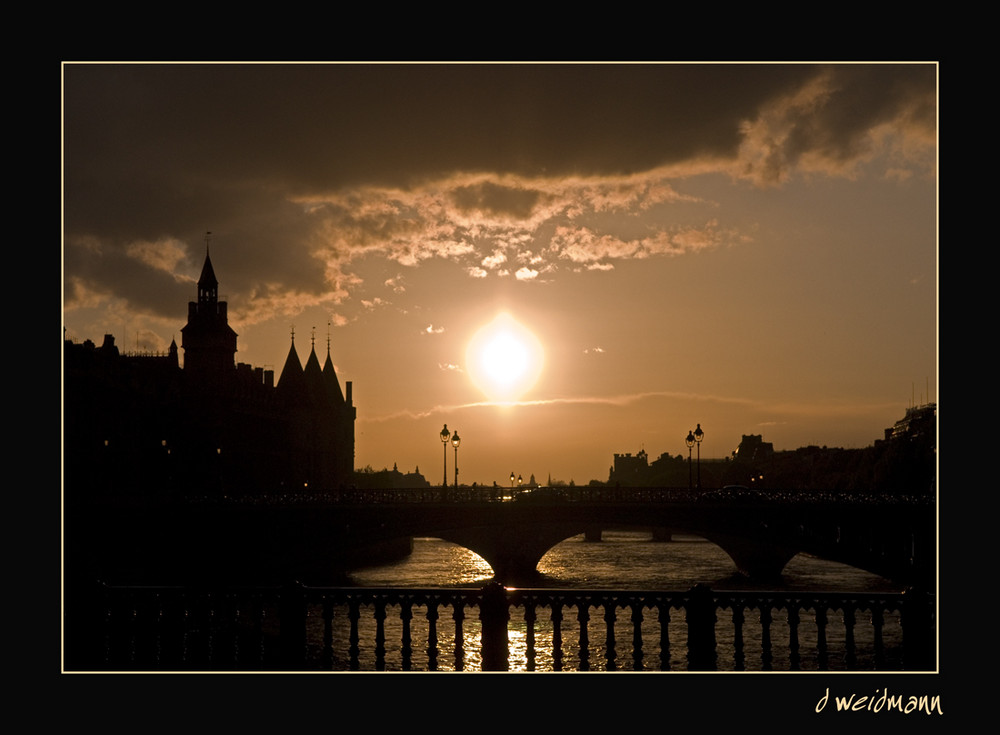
x: 504, y: 359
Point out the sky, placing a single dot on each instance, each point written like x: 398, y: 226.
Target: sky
x: 561, y: 261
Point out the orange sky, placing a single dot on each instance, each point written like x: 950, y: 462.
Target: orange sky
x: 749, y: 247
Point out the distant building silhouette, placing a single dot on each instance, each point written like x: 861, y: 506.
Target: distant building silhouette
x: 753, y: 448
x: 368, y: 478
x: 141, y: 424
x: 629, y: 469
x: 919, y: 422
x: 903, y: 462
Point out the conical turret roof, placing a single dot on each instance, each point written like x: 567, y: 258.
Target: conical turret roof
x: 207, y: 280
x: 330, y: 380
x: 313, y: 375
x: 292, y: 380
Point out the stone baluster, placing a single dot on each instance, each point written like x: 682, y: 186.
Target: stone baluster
x: 494, y: 614
x: 701, y: 629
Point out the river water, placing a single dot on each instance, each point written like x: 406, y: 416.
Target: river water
x: 621, y: 560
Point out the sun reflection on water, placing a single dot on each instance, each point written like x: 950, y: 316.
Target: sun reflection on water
x: 424, y: 566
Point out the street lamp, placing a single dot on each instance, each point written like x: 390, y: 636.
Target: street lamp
x: 511, y: 480
x: 698, y: 436
x: 444, y: 445
x: 455, y: 440
x: 690, y: 441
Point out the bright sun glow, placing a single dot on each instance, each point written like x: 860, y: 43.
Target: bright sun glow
x: 504, y: 359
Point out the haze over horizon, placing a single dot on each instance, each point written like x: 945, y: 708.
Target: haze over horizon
x: 749, y: 247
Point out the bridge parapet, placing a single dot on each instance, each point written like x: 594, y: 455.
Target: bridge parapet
x: 574, y: 494
x: 321, y: 628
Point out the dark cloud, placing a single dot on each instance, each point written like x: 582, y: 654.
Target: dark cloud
x: 332, y: 125
x: 494, y: 199
x: 309, y: 127
x: 861, y: 98
x: 146, y: 289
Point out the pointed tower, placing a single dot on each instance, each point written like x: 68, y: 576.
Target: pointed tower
x: 208, y: 341
x: 291, y: 383
x: 344, y: 415
x: 315, y: 385
x: 330, y: 378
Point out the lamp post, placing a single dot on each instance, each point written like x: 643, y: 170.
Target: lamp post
x: 444, y: 445
x: 512, y: 480
x: 698, y: 436
x: 690, y: 441
x: 455, y: 441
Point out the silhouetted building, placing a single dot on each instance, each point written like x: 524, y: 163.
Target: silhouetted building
x: 635, y: 470
x: 753, y: 448
x: 140, y: 423
x: 629, y: 469
x: 209, y: 342
x: 918, y: 423
x: 368, y: 479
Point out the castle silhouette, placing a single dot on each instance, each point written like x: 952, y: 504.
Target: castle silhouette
x: 140, y: 424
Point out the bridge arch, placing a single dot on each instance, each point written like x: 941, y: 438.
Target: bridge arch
x: 757, y: 561
x: 512, y: 552
x: 513, y: 548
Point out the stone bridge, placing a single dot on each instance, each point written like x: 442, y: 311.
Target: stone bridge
x: 892, y: 536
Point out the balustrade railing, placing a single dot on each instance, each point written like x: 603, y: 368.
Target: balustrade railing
x: 299, y: 628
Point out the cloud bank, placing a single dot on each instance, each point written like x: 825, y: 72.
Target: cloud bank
x: 521, y: 172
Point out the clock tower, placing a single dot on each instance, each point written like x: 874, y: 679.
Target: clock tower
x: 209, y: 342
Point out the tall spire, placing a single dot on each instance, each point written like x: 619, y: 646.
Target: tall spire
x: 208, y: 284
